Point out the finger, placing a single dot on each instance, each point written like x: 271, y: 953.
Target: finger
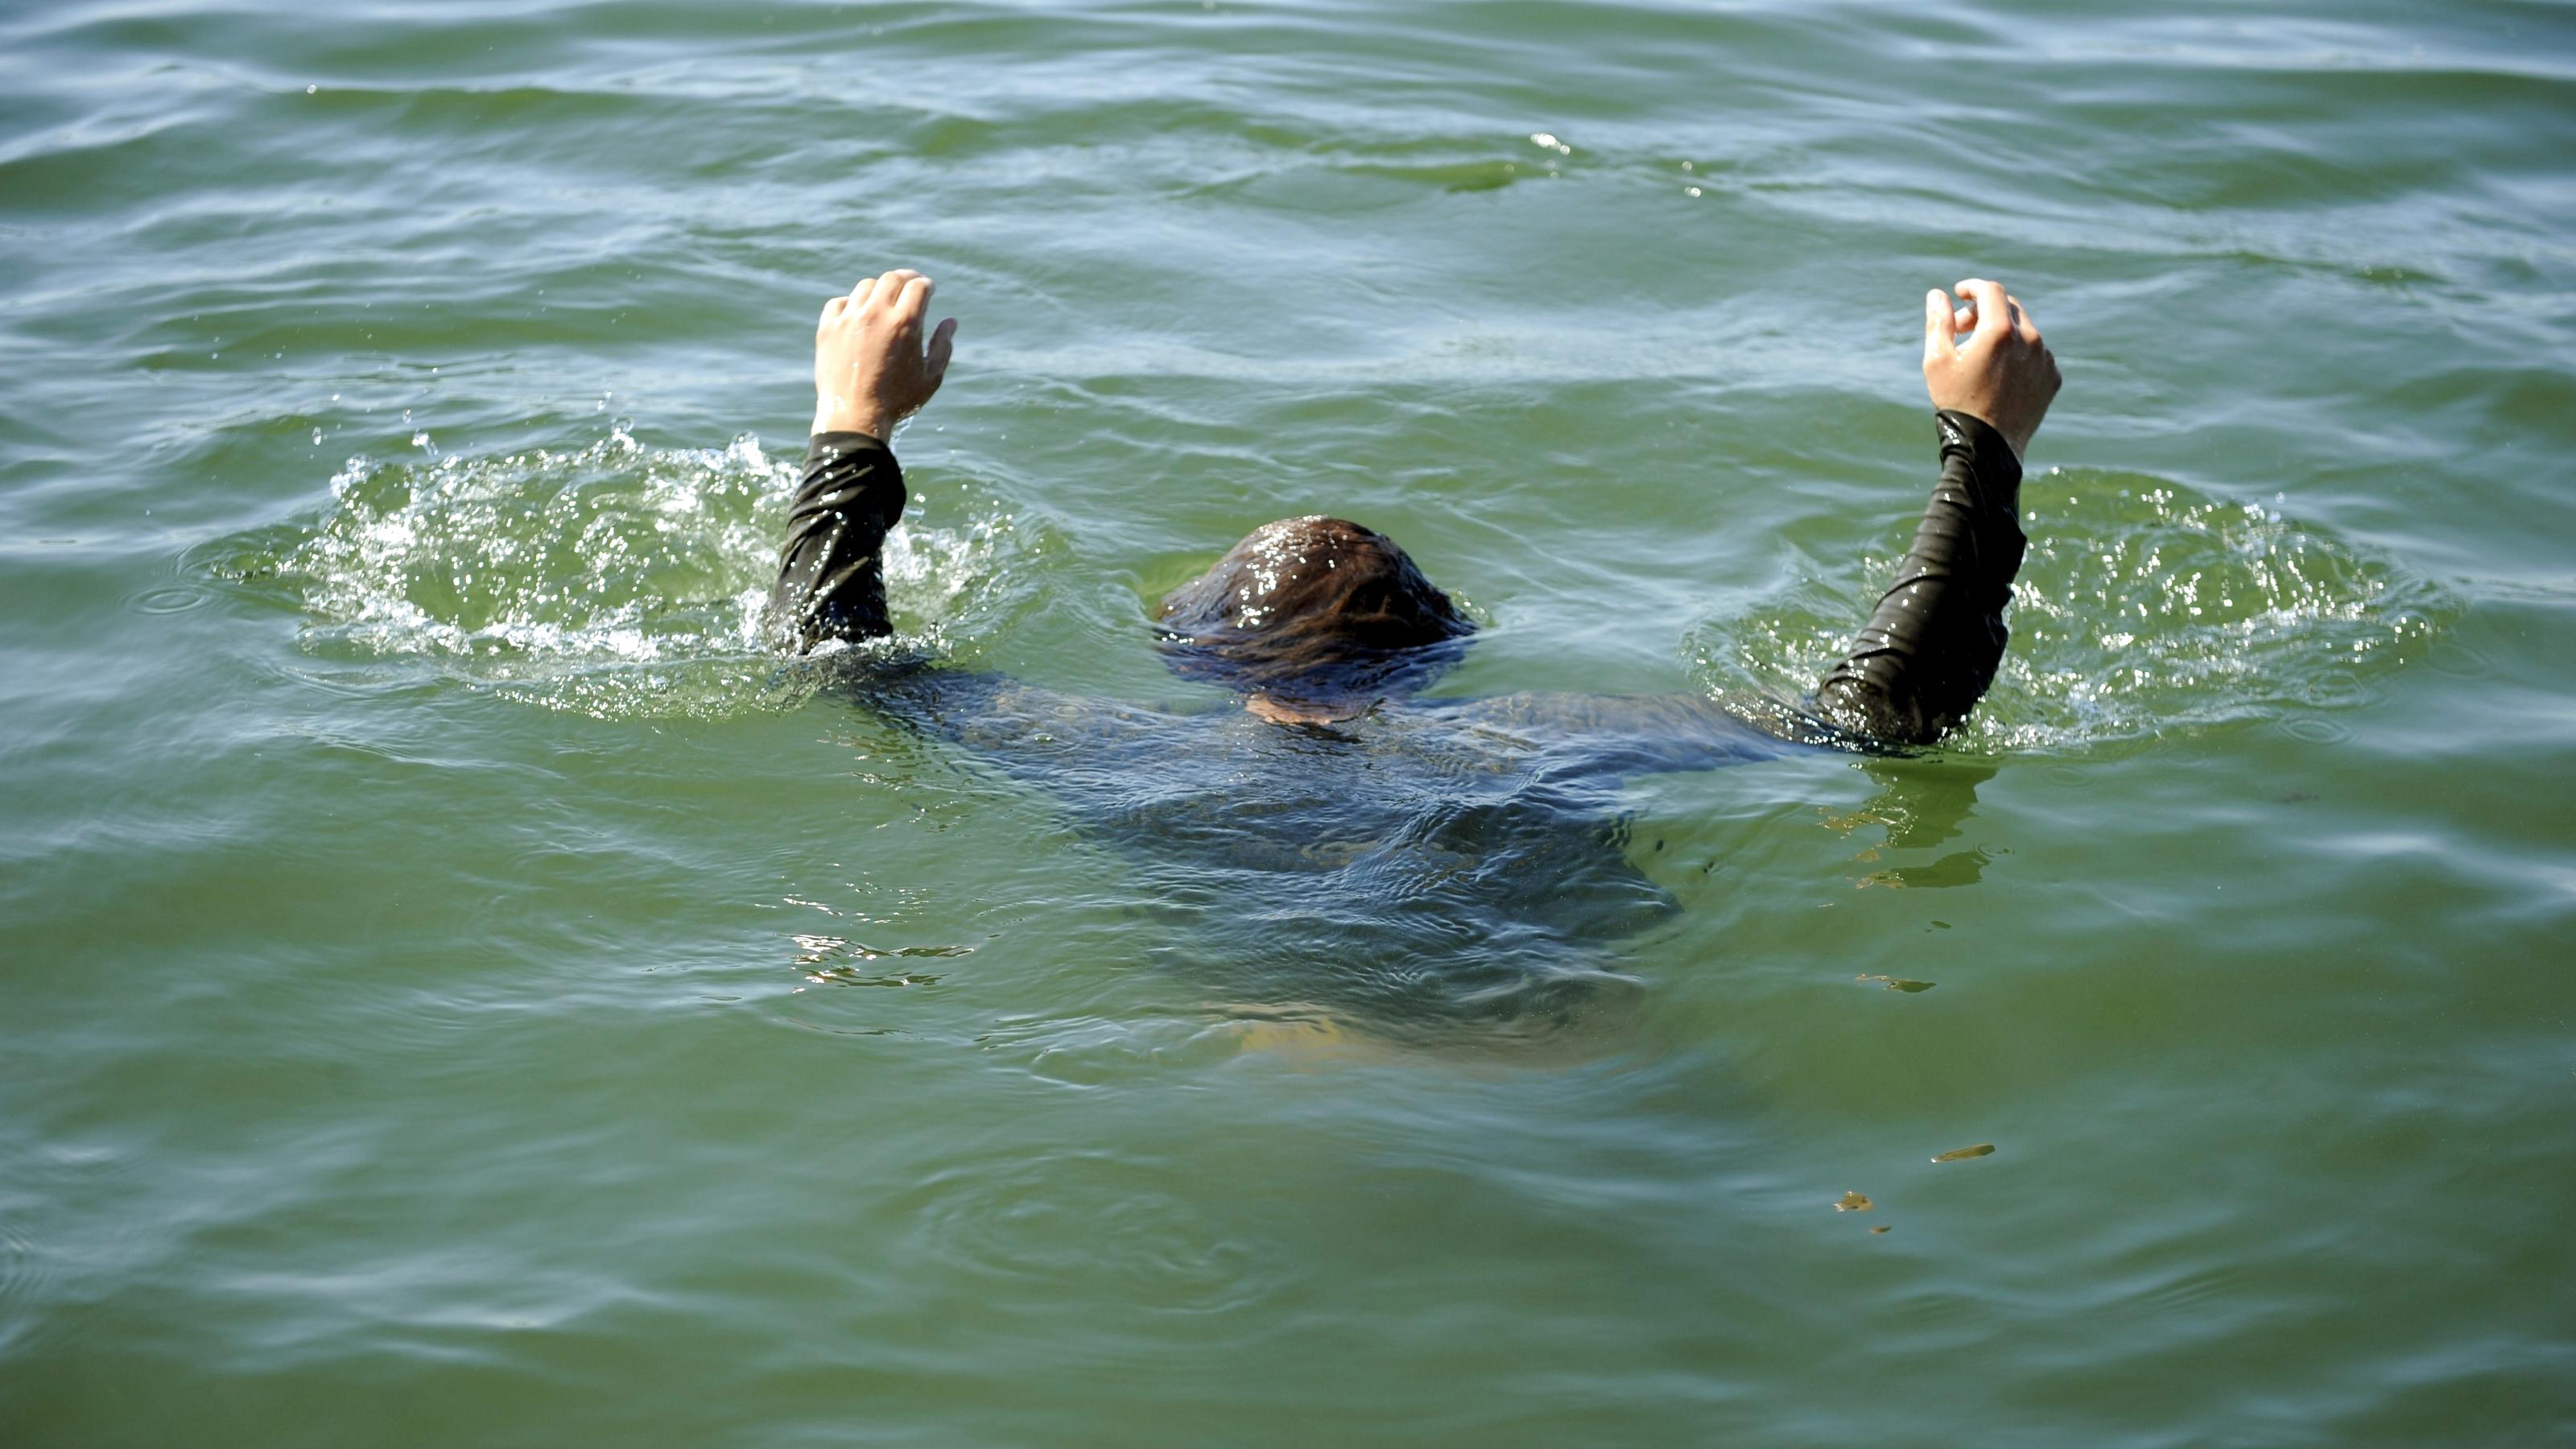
x: 2022, y: 322
x: 1994, y: 309
x: 1939, y: 327
x: 859, y: 294
x: 936, y: 365
x: 913, y: 302
x: 832, y: 306
x: 890, y: 286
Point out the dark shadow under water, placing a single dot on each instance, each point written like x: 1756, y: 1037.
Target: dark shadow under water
x: 1433, y: 865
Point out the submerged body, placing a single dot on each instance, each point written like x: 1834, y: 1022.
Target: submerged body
x: 1345, y: 840
x: 1433, y: 861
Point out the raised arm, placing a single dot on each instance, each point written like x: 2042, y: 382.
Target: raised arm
x: 1928, y: 653
x: 871, y: 371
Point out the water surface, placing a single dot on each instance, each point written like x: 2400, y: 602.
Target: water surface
x: 461, y: 988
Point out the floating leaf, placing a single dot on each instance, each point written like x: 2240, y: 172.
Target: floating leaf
x: 1852, y: 1202
x: 1898, y: 983
x: 1962, y: 1154
x: 1882, y: 1227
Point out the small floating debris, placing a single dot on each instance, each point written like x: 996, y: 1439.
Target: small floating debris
x: 1882, y: 1227
x: 1962, y: 1154
x: 1898, y: 983
x: 1852, y: 1202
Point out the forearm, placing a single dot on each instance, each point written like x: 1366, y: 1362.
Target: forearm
x: 831, y: 583
x: 1931, y: 648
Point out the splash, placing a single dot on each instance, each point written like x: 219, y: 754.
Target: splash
x: 2141, y: 608
x: 614, y: 579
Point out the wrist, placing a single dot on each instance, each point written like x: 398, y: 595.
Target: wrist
x: 2020, y: 444
x: 874, y: 422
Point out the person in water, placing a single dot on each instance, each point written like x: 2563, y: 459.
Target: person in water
x: 1343, y: 839
x: 1318, y: 621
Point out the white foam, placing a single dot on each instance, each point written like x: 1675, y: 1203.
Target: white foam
x: 2139, y: 609
x: 613, y: 579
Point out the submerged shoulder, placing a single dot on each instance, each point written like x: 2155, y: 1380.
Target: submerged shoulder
x: 1625, y: 733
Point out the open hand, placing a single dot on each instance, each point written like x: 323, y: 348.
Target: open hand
x: 871, y: 370
x: 2002, y: 374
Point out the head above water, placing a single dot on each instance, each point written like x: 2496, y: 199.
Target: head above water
x: 1313, y: 620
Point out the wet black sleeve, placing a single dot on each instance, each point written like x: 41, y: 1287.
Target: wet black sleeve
x: 830, y: 585
x: 1925, y: 657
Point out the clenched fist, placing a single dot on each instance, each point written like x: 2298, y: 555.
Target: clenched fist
x: 871, y: 370
x: 2003, y: 373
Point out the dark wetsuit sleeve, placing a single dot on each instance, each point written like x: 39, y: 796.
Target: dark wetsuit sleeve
x: 830, y: 584
x: 1925, y: 657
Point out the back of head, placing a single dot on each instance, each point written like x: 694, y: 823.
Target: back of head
x: 1317, y: 614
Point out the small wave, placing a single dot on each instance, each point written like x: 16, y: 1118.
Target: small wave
x: 614, y: 579
x: 2141, y: 608
x: 1085, y: 1216
x: 24, y: 1278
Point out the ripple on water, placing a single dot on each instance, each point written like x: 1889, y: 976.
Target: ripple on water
x: 1095, y: 1218
x: 172, y: 600
x: 22, y: 1280
x: 2141, y: 608
x: 614, y: 579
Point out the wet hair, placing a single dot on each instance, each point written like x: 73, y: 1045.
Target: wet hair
x: 1314, y: 611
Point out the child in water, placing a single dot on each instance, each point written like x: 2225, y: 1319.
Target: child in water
x: 1342, y: 840
x: 1318, y: 621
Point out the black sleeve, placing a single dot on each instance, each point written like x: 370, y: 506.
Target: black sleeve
x: 829, y: 582
x: 1925, y: 657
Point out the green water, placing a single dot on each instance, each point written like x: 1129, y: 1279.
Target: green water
x: 459, y: 990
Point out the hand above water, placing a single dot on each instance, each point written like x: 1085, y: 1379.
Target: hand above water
x: 871, y: 370
x: 2002, y: 374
